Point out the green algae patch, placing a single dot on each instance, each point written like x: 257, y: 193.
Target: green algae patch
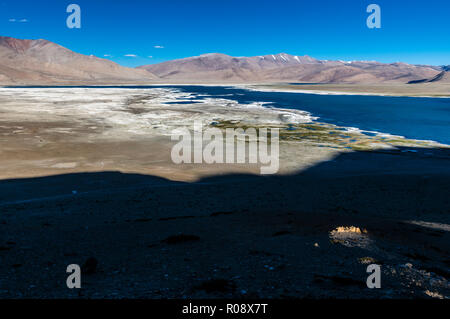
x: 329, y: 135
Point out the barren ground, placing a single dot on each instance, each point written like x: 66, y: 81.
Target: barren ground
x: 160, y: 230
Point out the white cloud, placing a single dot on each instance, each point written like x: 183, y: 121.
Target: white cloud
x: 15, y: 20
x: 150, y: 56
x: 107, y: 55
x: 158, y: 47
x: 131, y: 55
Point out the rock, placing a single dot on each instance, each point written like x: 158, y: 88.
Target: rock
x: 179, y: 239
x: 90, y: 266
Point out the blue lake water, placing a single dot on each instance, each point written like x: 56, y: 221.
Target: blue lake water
x: 416, y: 118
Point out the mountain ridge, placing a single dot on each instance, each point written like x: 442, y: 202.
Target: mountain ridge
x: 44, y: 62
x: 285, y: 67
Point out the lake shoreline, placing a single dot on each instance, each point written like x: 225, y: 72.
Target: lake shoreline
x: 387, y: 90
x: 329, y: 89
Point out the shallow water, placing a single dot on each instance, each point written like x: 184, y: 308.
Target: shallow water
x: 414, y: 118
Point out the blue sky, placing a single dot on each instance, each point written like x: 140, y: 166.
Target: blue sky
x: 412, y: 31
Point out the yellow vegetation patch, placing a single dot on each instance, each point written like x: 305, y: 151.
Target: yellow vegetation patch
x: 434, y: 294
x: 368, y: 260
x: 351, y: 229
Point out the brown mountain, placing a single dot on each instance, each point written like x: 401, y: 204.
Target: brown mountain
x: 44, y: 62
x: 284, y: 67
x: 443, y: 77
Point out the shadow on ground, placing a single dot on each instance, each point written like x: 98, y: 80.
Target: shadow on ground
x: 234, y: 236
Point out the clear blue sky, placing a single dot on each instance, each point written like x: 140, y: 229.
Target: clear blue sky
x: 412, y: 31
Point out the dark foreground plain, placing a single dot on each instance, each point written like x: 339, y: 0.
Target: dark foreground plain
x: 306, y: 235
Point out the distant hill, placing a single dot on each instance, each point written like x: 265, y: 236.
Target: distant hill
x: 45, y: 62
x: 41, y: 62
x: 443, y: 77
x: 284, y: 67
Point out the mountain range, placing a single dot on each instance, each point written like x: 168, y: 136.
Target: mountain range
x: 45, y: 62
x: 33, y: 62
x: 287, y: 68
